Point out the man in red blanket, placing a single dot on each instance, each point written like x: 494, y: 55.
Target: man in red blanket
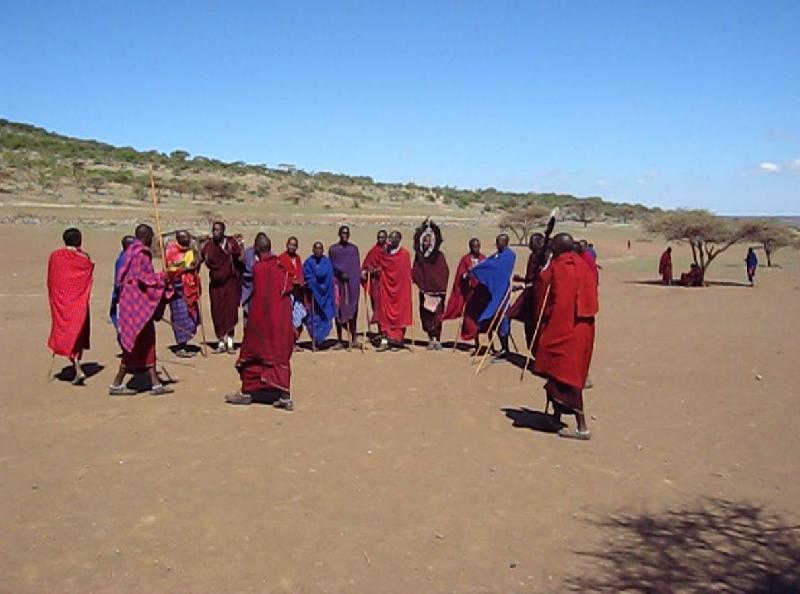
x: 526, y: 308
x: 69, y: 287
x: 394, y: 312
x: 468, y: 297
x: 665, y: 267
x: 264, y: 362
x: 564, y: 351
x: 223, y: 256
x: 370, y: 274
x: 143, y: 296
x: 294, y: 266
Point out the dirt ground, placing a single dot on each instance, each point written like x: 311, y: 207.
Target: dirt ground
x: 404, y: 472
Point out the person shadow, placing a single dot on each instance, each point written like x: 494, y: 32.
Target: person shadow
x: 525, y: 418
x: 67, y: 374
x: 712, y: 545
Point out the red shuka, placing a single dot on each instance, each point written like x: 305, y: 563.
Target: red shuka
x: 564, y: 350
x: 371, y: 283
x: 665, y: 266
x: 294, y: 266
x: 467, y: 291
x: 394, y: 313
x: 69, y: 286
x: 264, y: 359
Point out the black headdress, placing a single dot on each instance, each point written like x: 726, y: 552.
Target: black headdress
x: 428, y: 228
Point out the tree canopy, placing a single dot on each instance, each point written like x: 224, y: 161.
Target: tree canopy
x: 706, y: 233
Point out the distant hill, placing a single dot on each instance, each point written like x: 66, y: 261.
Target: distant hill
x: 38, y: 164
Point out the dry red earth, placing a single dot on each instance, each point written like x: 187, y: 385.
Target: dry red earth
x: 402, y: 472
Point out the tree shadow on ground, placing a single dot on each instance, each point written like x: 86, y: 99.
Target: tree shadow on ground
x: 658, y: 283
x: 67, y: 374
x: 715, y: 546
x: 525, y: 418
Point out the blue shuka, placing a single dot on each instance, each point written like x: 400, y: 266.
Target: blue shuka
x: 319, y: 279
x: 495, y: 274
x: 114, y: 309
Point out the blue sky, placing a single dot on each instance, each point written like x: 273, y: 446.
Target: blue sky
x: 667, y: 103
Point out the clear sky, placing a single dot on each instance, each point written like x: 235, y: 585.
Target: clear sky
x: 674, y: 103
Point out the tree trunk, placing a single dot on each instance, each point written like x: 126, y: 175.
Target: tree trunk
x: 768, y: 252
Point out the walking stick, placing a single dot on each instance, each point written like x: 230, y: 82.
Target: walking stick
x: 158, y: 221
x: 535, y: 333
x: 496, y: 321
x: 413, y: 323
x: 204, y: 348
x: 490, y: 330
x: 313, y: 325
x: 367, y: 293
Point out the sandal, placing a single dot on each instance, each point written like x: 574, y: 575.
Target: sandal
x: 239, y: 398
x: 575, y: 434
x: 121, y: 391
x: 160, y: 390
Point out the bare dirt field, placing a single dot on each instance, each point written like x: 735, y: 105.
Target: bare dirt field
x: 404, y: 472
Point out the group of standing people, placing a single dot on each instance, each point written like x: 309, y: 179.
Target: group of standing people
x: 695, y: 277
x: 281, y: 296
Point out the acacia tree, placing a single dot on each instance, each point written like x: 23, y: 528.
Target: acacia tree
x: 707, y: 234
x: 773, y: 236
x: 522, y: 220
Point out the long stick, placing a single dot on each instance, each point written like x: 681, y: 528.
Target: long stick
x: 204, y: 348
x: 535, y: 333
x: 490, y: 330
x: 158, y: 220
x: 313, y: 325
x: 367, y: 297
x: 413, y: 322
x: 502, y: 308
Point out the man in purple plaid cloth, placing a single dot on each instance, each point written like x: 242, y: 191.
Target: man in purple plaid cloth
x: 143, y: 295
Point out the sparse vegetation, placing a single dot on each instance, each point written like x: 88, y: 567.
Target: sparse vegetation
x: 41, y: 161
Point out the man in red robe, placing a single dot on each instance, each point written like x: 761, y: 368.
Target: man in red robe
x: 370, y: 274
x: 394, y: 312
x: 223, y: 256
x: 468, y: 297
x: 294, y: 267
x: 264, y: 362
x: 665, y: 267
x: 564, y: 350
x: 69, y: 287
x: 143, y: 297
x: 526, y: 309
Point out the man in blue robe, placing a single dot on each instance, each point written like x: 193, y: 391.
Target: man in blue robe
x: 114, y: 309
x: 318, y: 272
x: 495, y: 273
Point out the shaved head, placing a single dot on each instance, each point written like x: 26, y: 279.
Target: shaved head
x: 262, y: 244
x: 501, y: 242
x: 183, y: 238
x: 562, y: 243
x: 144, y: 233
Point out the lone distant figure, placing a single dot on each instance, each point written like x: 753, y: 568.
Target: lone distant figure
x: 752, y: 265
x: 665, y: 267
x: 69, y: 287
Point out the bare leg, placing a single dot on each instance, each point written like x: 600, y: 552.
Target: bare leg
x: 120, y: 376
x: 80, y: 377
x: 581, y: 419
